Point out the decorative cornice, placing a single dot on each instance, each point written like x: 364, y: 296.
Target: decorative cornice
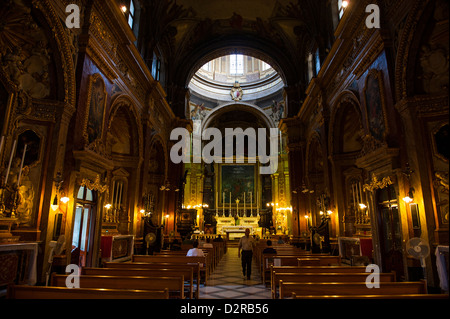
x: 377, y: 184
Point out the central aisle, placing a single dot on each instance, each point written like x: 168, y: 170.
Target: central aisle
x: 228, y: 282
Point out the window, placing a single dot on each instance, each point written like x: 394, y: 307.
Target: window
x: 131, y: 14
x: 310, y: 67
x: 342, y: 4
x: 156, y: 67
x: 236, y: 64
x: 208, y: 67
x: 265, y: 66
x: 317, y: 60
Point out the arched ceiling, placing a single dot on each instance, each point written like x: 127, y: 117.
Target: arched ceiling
x: 189, y: 33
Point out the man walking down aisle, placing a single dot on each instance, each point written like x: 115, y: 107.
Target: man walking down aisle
x: 246, y: 244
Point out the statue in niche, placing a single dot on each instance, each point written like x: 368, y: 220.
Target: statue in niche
x: 26, y: 198
x: 198, y: 112
x: 277, y: 111
x: 435, y: 66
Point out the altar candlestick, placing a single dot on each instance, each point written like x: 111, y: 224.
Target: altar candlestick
x: 2, y: 142
x: 119, y: 197
x: 10, y: 162
x: 217, y: 203
x: 360, y: 193
x: 353, y: 191
x: 114, y: 195
x: 21, y: 164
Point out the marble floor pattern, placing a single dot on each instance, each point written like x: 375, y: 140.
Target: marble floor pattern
x: 228, y: 282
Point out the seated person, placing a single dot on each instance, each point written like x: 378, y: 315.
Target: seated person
x: 269, y: 249
x: 195, y: 252
x: 208, y: 244
x: 280, y: 240
x: 175, y: 245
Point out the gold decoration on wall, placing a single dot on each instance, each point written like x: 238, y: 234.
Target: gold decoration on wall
x: 95, y: 186
x: 377, y: 184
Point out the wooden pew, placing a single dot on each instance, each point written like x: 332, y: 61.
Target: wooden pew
x: 187, y: 273
x: 350, y: 288
x: 319, y: 261
x: 38, y: 292
x: 176, y: 260
x: 315, y: 269
x: 195, y: 268
x: 174, y: 284
x: 325, y: 277
x: 399, y: 296
x: 283, y: 260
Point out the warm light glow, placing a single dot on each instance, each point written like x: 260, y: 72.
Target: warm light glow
x: 407, y: 199
x: 345, y: 4
x: 142, y: 211
x: 362, y: 206
x: 54, y: 207
x: 267, y: 204
x: 306, y: 216
x: 108, y: 206
x: 167, y: 216
x: 329, y: 212
x: 65, y: 199
x: 321, y: 212
x: 124, y: 9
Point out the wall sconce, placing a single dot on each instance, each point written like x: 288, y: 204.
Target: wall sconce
x: 108, y: 206
x: 65, y: 199
x: 362, y: 206
x: 55, y: 204
x: 410, y: 197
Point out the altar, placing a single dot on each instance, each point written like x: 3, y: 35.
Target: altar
x: 235, y: 232
x: 235, y: 227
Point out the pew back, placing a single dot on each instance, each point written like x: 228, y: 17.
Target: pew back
x: 325, y: 278
x: 350, y: 288
x: 187, y: 273
x: 37, y: 292
x: 175, y: 284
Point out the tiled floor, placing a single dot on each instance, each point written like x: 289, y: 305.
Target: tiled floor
x: 228, y: 282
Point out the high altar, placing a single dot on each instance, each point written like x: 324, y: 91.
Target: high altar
x: 234, y: 228
x: 237, y: 196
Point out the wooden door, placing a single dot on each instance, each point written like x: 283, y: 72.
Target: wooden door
x: 390, y: 231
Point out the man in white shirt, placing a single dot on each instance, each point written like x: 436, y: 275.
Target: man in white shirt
x: 246, y: 244
x: 195, y: 252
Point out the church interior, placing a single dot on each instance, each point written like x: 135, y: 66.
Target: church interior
x: 354, y: 94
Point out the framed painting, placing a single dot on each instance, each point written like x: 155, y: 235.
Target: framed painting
x: 96, y: 101
x: 374, y: 99
x: 237, y: 180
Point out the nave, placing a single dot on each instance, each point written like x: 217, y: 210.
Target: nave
x: 228, y: 282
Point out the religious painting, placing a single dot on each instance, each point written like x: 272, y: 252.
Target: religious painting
x: 374, y: 99
x: 97, y: 98
x: 237, y: 180
x: 440, y: 143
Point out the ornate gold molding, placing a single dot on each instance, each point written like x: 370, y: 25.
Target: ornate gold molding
x: 96, y: 185
x: 377, y: 184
